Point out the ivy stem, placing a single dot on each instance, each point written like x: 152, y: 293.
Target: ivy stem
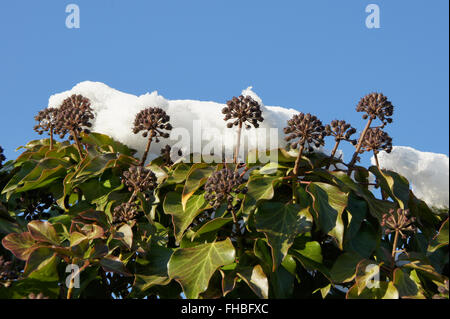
x: 376, y: 160
x: 51, y: 138
x: 299, y: 156
x: 244, y: 171
x: 358, y: 147
x: 239, y: 239
x: 238, y: 144
x: 333, y: 152
x: 295, y: 175
x: 132, y: 196
x: 77, y: 142
x: 394, y: 248
x: 147, y: 149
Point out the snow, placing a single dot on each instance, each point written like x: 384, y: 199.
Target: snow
x: 427, y: 173
x: 115, y: 112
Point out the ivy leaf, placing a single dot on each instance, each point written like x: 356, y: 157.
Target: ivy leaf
x: 43, y: 231
x: 259, y: 188
x: 377, y: 207
x: 421, y: 267
x: 46, y: 172
x: 20, y: 245
x: 254, y: 156
x: 152, y: 270
x: 182, y: 218
x: 356, y: 213
x: 283, y: 279
x: 407, y: 288
x: 20, y: 289
x: 395, y: 185
x: 125, y: 234
x: 309, y: 253
x: 193, y: 267
x: 212, y: 226
x: 344, y: 268
x: 106, y: 143
x: 329, y: 204
x: 197, y: 176
x: 426, y: 218
x: 384, y: 290
x: 178, y: 175
x: 13, y: 183
x: 365, y: 241
x: 42, y: 265
x: 256, y: 279
x: 441, y: 239
x: 76, y: 238
x: 281, y: 223
x: 114, y: 264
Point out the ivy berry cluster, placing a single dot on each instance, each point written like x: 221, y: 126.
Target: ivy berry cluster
x: 222, y: 186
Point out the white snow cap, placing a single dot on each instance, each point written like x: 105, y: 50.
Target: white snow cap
x: 115, y: 112
x: 427, y: 172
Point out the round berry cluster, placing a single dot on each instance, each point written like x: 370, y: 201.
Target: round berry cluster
x: 152, y: 121
x: 243, y: 110
x: 305, y: 128
x: 221, y: 186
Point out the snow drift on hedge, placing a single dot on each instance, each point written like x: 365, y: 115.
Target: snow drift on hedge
x: 427, y: 172
x: 115, y: 112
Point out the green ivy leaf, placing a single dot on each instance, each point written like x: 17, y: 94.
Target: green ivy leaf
x: 125, y: 234
x: 259, y: 188
x: 76, y: 238
x: 441, y: 239
x: 365, y: 241
x: 406, y: 287
x: 395, y: 185
x: 281, y: 223
x: 106, y: 143
x: 42, y: 265
x: 377, y: 207
x: 329, y: 204
x: 197, y: 176
x: 344, y: 268
x: 182, y: 218
x: 385, y: 290
x: 46, y: 172
x: 193, y: 267
x: 152, y: 269
x: 212, y: 226
x: 178, y: 175
x: 309, y: 253
x: 114, y: 264
x: 256, y: 279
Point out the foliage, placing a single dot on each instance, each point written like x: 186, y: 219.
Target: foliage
x: 315, y: 233
x: 319, y: 246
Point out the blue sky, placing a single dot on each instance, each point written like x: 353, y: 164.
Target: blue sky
x: 314, y: 55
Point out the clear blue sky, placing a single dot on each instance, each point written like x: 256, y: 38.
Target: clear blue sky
x: 313, y: 55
